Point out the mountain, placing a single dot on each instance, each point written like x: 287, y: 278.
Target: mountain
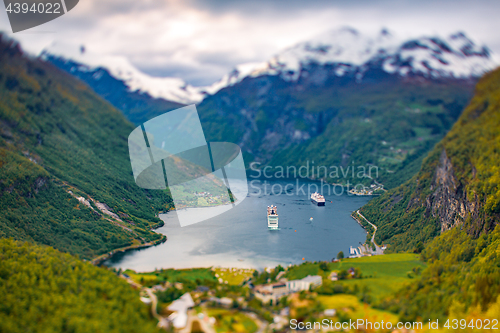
x: 457, y: 185
x: 341, y: 100
x: 349, y: 51
x: 352, y: 53
x: 136, y: 105
x: 82, y: 61
x: 348, y: 101
x: 66, y: 179
x: 44, y: 290
x: 451, y: 211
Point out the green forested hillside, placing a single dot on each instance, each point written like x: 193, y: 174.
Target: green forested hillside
x: 459, y: 181
x: 463, y: 274
x: 59, y: 141
x: 451, y: 211
x: 44, y: 290
x: 385, y: 121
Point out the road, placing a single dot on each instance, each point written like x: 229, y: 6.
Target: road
x: 378, y: 250
x: 154, y: 303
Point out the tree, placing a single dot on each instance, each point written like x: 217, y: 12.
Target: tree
x: 323, y: 266
x: 340, y: 255
x: 343, y: 274
x: 419, y: 247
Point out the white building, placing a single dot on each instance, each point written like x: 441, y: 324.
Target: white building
x: 310, y: 281
x: 271, y: 293
x: 180, y: 307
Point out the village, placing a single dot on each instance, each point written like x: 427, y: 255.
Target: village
x: 236, y: 293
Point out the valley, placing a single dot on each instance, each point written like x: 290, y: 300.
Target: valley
x: 431, y: 235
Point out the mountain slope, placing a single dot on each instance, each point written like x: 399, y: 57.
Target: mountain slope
x: 121, y: 69
x: 44, y: 290
x: 339, y: 100
x: 462, y: 280
x: 458, y: 184
x: 450, y: 211
x: 137, y: 106
x: 66, y: 177
x: 346, y: 49
x: 386, y: 121
x: 352, y: 52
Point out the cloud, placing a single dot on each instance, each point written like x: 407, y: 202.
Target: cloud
x: 201, y: 40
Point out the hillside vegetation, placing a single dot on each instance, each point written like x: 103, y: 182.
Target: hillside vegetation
x: 384, y: 121
x: 44, y: 290
x: 60, y: 141
x: 459, y: 182
x: 463, y: 276
x: 450, y: 210
x: 137, y: 106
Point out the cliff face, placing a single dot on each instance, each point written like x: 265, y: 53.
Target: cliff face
x: 448, y: 201
x: 458, y: 184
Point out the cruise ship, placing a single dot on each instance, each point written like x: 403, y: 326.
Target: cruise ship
x: 272, y: 217
x: 317, y: 199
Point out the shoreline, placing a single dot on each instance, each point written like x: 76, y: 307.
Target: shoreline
x: 315, y: 180
x: 98, y: 261
x: 120, y: 251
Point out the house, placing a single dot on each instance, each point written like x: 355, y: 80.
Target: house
x: 351, y: 271
x: 280, y: 275
x: 224, y: 301
x: 159, y: 287
x: 333, y: 276
x: 180, y: 307
x: 310, y: 281
x: 330, y: 312
x: 271, y: 293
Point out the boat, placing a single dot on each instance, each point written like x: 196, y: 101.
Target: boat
x: 317, y: 199
x: 272, y: 217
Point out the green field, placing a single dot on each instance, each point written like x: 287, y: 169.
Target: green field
x: 197, y: 276
x: 382, y: 275
x: 233, y: 276
x: 231, y: 321
x: 356, y: 309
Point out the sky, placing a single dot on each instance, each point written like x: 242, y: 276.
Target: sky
x: 201, y: 40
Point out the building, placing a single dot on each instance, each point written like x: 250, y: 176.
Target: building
x: 333, y: 276
x: 310, y: 281
x: 180, y: 307
x: 271, y: 293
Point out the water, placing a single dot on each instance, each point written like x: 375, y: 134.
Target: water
x: 240, y: 238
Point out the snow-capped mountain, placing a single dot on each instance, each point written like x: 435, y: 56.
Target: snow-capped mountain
x: 349, y: 51
x: 169, y: 88
x: 346, y: 49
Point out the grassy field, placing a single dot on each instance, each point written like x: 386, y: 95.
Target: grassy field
x: 196, y: 275
x: 231, y: 321
x: 355, y: 309
x: 381, y: 274
x: 233, y: 276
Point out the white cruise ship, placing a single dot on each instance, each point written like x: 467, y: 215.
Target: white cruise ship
x: 318, y: 199
x: 272, y: 217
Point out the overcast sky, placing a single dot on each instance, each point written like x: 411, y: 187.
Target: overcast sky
x: 201, y: 40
